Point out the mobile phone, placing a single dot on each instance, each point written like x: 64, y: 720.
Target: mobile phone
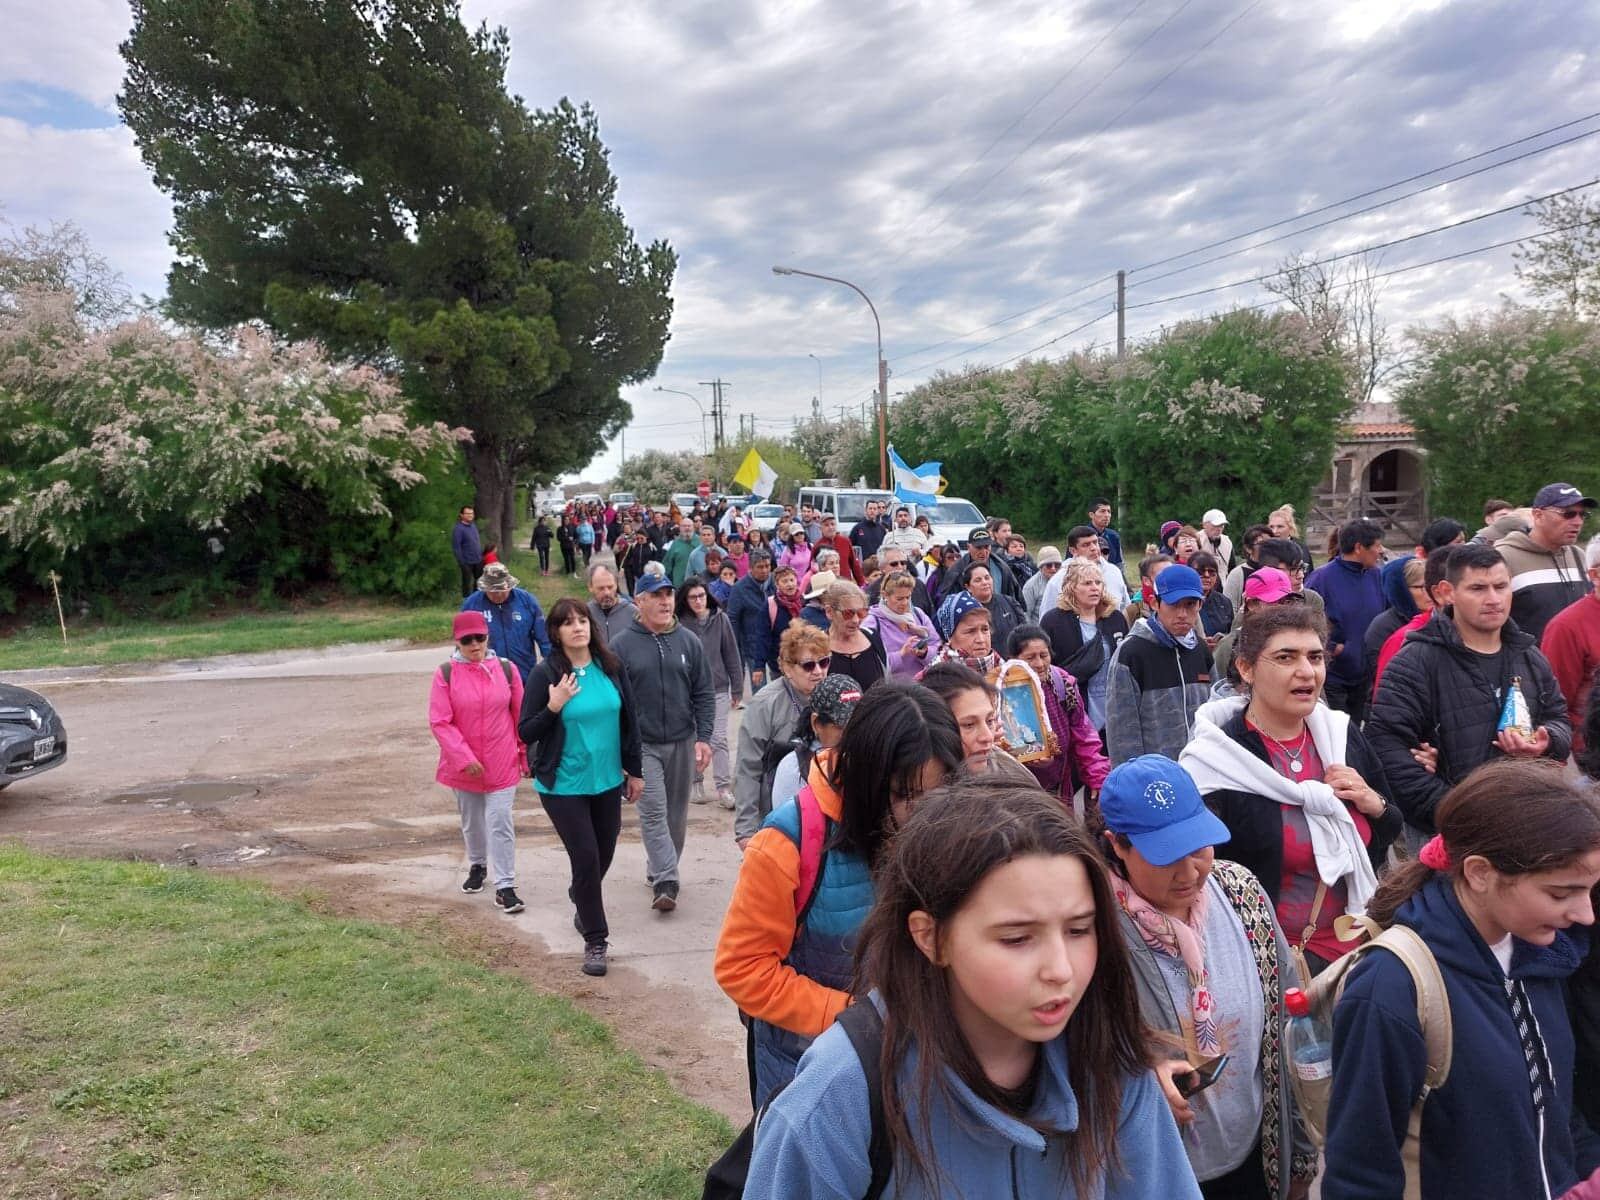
x: 922, y: 642
x: 1202, y: 1077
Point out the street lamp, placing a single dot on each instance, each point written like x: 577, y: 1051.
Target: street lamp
x: 705, y: 442
x: 883, y: 367
x: 818, y: 361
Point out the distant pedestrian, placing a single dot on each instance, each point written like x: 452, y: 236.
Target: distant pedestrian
x: 541, y: 543
x: 467, y: 548
x: 472, y: 709
x: 567, y: 541
x: 586, y: 540
x: 608, y: 608
x: 1110, y: 543
x: 582, y: 730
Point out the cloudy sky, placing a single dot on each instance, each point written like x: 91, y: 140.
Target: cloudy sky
x: 978, y: 167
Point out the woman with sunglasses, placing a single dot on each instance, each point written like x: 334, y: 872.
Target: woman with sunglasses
x: 856, y: 652
x: 1216, y: 610
x: 473, y: 709
x: 771, y: 717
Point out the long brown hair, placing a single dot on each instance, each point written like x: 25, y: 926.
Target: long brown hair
x: 956, y: 836
x: 562, y: 612
x: 1523, y: 815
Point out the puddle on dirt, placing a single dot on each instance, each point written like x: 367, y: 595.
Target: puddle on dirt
x: 187, y: 793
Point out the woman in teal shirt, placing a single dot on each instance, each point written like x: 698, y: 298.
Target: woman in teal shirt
x: 583, y: 748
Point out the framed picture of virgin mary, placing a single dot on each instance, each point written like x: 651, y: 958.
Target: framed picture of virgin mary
x: 1024, y: 725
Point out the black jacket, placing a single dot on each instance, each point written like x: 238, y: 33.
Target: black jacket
x: 1435, y: 691
x: 1256, y: 825
x: 1005, y: 579
x: 1067, y: 649
x: 546, y: 734
x: 1004, y: 616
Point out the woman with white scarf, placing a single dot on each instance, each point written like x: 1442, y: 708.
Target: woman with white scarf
x: 1303, y: 795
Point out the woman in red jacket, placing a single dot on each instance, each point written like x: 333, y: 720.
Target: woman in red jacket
x: 473, y: 709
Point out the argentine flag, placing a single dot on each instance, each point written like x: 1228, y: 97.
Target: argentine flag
x: 912, y: 484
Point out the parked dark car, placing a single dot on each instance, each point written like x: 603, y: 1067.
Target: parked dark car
x: 32, y: 736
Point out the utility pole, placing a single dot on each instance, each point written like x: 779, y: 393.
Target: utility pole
x: 1122, y: 315
x: 624, y: 446
x: 718, y: 411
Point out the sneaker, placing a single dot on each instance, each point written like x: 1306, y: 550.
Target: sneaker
x: 507, y: 899
x: 699, y: 795
x: 725, y: 798
x: 666, y: 897
x: 475, y: 878
x: 594, y: 958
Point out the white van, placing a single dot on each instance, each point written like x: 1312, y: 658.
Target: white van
x: 847, y: 505
x: 621, y: 500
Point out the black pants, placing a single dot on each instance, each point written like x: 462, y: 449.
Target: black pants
x: 588, y: 551
x: 1351, y: 699
x: 469, y: 578
x: 1244, y: 1182
x: 588, y: 828
x: 544, y: 558
x: 569, y: 561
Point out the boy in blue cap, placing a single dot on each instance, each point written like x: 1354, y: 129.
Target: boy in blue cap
x: 1161, y: 674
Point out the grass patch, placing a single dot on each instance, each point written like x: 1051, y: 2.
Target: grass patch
x: 188, y: 1035
x: 250, y: 632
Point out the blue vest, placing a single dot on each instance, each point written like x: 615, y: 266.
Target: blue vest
x: 824, y: 944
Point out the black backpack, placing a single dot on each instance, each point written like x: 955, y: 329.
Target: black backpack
x: 864, y: 1027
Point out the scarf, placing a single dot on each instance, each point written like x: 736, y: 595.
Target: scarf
x: 791, y: 603
x: 1218, y: 763
x: 1184, y: 940
x: 1188, y: 641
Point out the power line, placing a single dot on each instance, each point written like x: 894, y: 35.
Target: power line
x: 1027, y: 112
x: 966, y: 350
x: 1312, y: 212
x: 1370, y: 208
x: 1433, y: 262
x: 1054, y: 340
x: 1221, y: 287
x: 961, y: 337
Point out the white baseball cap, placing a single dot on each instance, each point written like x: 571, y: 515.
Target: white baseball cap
x: 1214, y: 516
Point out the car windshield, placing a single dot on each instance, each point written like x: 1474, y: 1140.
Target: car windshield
x: 951, y: 512
x: 767, y: 510
x: 853, y: 505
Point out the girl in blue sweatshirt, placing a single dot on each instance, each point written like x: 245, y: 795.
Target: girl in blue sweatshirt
x: 1012, y: 1061
x: 1517, y: 854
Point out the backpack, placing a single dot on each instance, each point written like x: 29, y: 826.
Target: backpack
x: 863, y: 1025
x: 1433, y: 1014
x: 444, y: 669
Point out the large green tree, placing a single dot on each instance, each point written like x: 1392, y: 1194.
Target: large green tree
x: 356, y: 171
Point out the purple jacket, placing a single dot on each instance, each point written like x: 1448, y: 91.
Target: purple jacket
x: 1081, y: 760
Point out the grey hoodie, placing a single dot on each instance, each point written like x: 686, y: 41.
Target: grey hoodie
x: 715, y: 632
x: 671, y: 683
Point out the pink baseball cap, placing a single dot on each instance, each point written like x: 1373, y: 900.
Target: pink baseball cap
x: 469, y: 622
x: 1269, y: 585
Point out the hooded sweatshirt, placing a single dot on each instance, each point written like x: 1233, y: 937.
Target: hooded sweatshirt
x: 474, y: 720
x: 1155, y: 689
x: 671, y: 683
x: 892, y: 628
x: 1481, y: 1132
x: 1392, y: 579
x: 1543, y: 582
x: 717, y: 639
x: 812, y: 1142
x: 1352, y: 599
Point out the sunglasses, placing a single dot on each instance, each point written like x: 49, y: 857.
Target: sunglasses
x: 816, y: 664
x: 860, y: 613
x: 1571, y: 514
x: 472, y: 639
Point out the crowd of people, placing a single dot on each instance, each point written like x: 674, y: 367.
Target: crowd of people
x: 971, y: 960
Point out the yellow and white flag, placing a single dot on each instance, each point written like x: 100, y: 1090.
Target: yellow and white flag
x: 755, y: 477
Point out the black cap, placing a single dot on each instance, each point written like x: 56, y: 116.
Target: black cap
x: 980, y: 537
x: 1561, y: 495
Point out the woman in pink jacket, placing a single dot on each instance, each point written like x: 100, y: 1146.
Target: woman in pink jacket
x: 1082, y: 761
x: 473, y: 710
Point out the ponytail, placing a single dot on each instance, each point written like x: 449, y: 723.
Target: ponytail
x: 1523, y: 816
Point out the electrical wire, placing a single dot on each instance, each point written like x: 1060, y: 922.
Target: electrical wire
x: 921, y: 350
x: 969, y: 350
x: 1222, y: 287
x: 1054, y: 340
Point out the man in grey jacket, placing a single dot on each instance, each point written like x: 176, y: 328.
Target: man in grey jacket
x: 608, y: 608
x: 677, y: 713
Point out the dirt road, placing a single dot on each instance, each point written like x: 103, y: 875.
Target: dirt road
x: 316, y: 774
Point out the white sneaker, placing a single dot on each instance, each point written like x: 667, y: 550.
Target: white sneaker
x: 725, y: 798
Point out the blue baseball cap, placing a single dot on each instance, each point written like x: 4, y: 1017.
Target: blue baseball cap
x: 1153, y: 802
x: 1179, y: 582
x: 650, y: 582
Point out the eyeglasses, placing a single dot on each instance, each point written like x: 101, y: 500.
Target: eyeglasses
x: 1571, y: 514
x: 1207, y: 571
x: 473, y: 639
x: 815, y: 664
x: 859, y: 613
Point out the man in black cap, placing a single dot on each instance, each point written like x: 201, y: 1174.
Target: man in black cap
x: 1547, y: 568
x: 980, y: 552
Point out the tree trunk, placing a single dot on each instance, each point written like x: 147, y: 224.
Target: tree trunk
x: 492, y: 490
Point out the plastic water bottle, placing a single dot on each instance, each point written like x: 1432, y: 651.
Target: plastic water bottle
x: 1310, y: 1053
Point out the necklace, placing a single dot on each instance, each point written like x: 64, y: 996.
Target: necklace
x: 1295, y: 756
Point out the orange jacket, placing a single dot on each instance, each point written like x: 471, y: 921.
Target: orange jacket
x: 759, y: 930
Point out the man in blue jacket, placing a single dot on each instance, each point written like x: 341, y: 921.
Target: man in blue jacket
x: 1351, y: 587
x: 752, y: 622
x: 516, y: 622
x: 467, y: 548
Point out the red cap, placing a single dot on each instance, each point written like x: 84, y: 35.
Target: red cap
x: 469, y: 622
x: 1297, y: 1002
